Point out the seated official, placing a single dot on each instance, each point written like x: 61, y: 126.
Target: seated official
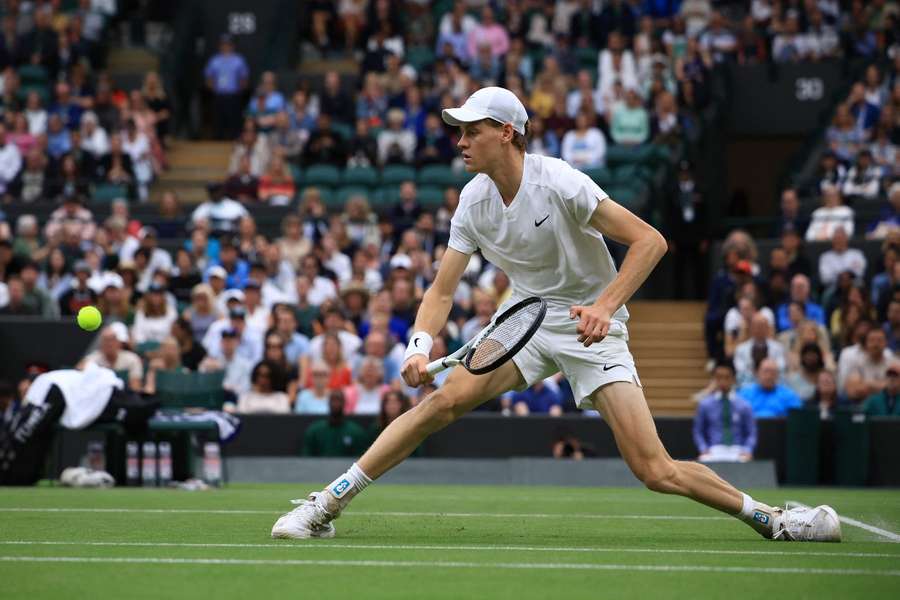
x: 724, y: 427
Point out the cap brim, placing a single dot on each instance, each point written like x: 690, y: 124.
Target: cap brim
x: 461, y: 115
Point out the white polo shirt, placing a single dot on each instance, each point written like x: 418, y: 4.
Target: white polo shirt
x: 543, y: 240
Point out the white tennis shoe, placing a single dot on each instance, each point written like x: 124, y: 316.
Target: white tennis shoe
x: 806, y: 524
x: 311, y: 519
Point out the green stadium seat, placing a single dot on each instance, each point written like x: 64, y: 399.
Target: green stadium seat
x: 344, y: 192
x: 587, y: 59
x: 463, y: 177
x: 322, y: 175
x: 599, y: 175
x: 177, y: 389
x: 104, y: 193
x: 33, y: 75
x: 296, y: 172
x: 419, y: 57
x: 144, y: 347
x: 621, y: 155
x: 360, y: 176
x: 397, y: 174
x: 436, y: 175
x: 343, y: 129
x: 431, y: 197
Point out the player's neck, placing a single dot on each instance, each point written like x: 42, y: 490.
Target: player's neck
x: 508, y: 177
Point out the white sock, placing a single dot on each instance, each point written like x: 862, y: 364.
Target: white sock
x: 746, y: 513
x: 757, y: 515
x: 349, y: 484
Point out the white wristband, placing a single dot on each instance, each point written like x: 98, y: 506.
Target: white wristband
x: 419, y: 343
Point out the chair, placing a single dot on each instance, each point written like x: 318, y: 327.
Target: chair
x: 437, y: 175
x: 599, y: 175
x: 144, y: 347
x: 359, y: 176
x: 344, y: 192
x: 322, y: 175
x: 105, y: 193
x: 176, y: 389
x: 419, y: 57
x: 431, y: 198
x: 397, y: 174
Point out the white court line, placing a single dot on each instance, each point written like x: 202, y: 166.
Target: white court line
x: 870, y: 528
x: 374, y: 513
x: 326, y: 545
x: 448, y: 565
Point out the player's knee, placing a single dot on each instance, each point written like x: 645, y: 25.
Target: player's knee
x: 439, y: 409
x: 659, y: 475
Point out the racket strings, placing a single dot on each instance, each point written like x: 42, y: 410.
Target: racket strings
x: 503, y: 337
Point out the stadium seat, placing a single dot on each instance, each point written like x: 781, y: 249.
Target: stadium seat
x: 600, y: 175
x: 144, y: 347
x: 430, y: 197
x: 33, y: 75
x: 622, y: 155
x: 397, y: 174
x: 462, y: 178
x: 344, y: 192
x: 343, y: 129
x: 176, y: 389
x: 296, y: 173
x: 419, y: 57
x: 360, y: 176
x: 436, y: 175
x: 322, y: 175
x: 105, y: 193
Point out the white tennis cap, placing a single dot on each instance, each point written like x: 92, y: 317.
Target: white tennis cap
x: 495, y: 103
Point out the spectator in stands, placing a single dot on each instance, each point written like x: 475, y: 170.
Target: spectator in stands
x: 15, y: 301
x: 329, y: 348
x: 266, y: 103
x: 94, y: 139
x: 718, y: 39
x: 766, y: 396
x: 335, y: 101
x: 790, y: 213
x: 276, y: 186
x: 826, y: 397
x: 325, y: 145
x: 243, y: 185
x: 202, y: 312
x: 433, y: 146
x: 314, y: 399
x: 889, y: 218
x: 866, y: 374
x: 250, y: 343
x: 79, y: 294
x: 393, y: 404
x: 364, y: 395
x: 887, y: 401
x: 800, y: 293
x: 804, y: 331
x: 892, y: 326
x: 192, y: 353
x: 112, y: 354
x: 154, y: 95
x: 154, y: 317
x: 792, y: 244
x: 724, y: 427
x: 237, y: 368
x: 841, y: 259
x: 166, y: 358
x: 803, y: 376
x: 220, y: 213
x: 761, y: 345
x: 790, y: 44
x: 262, y: 397
x: 884, y: 152
x: 833, y: 214
x: 254, y: 146
x: 396, y: 145
x: 830, y: 172
x: 854, y: 306
x: 844, y: 138
x: 334, y: 436
x: 137, y: 146
x: 34, y: 296
x: 738, y: 317
x: 10, y: 161
x: 863, y: 181
x: 226, y: 75
x: 629, y: 122
x: 585, y: 146
x: 362, y: 148
x: 55, y: 277
x: 865, y: 113
x: 615, y: 64
x: 541, y: 398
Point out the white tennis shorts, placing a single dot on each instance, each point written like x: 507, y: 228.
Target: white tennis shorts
x: 554, y: 349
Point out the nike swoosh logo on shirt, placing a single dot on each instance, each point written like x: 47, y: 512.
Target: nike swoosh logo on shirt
x: 538, y: 223
x: 608, y: 367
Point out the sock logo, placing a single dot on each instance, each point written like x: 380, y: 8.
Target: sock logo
x: 761, y: 517
x: 340, y: 487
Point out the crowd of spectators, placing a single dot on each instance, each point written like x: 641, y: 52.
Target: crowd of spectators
x: 314, y: 318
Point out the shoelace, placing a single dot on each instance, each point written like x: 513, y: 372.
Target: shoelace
x: 794, y: 525
x: 320, y: 515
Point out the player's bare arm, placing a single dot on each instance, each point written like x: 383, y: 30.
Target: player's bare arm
x: 433, y: 311
x: 646, y: 246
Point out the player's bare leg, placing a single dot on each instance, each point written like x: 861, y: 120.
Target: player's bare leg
x: 625, y: 410
x: 461, y: 393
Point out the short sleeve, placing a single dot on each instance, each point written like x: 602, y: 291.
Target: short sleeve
x: 582, y: 196
x: 462, y: 238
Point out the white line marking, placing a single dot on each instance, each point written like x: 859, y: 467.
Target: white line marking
x: 870, y: 528
x: 321, y: 545
x: 447, y: 565
x: 364, y: 513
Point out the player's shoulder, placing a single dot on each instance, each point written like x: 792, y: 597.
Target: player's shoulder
x: 477, y: 190
x: 556, y: 175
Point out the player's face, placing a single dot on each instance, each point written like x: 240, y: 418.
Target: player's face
x: 479, y: 146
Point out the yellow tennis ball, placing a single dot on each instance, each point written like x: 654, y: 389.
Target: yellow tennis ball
x: 89, y: 318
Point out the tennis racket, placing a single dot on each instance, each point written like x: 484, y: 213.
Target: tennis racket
x: 499, y: 341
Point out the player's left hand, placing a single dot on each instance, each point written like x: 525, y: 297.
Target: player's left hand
x: 593, y: 323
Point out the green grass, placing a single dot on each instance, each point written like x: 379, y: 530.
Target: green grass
x: 542, y: 542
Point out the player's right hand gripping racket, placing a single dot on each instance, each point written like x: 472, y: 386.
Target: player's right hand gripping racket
x: 499, y: 341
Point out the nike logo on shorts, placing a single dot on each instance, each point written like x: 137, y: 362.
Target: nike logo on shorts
x: 416, y: 342
x: 608, y: 367
x: 538, y: 223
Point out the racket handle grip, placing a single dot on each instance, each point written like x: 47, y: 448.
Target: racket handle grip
x: 441, y: 364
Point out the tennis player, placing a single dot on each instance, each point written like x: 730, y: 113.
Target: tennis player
x: 543, y: 223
